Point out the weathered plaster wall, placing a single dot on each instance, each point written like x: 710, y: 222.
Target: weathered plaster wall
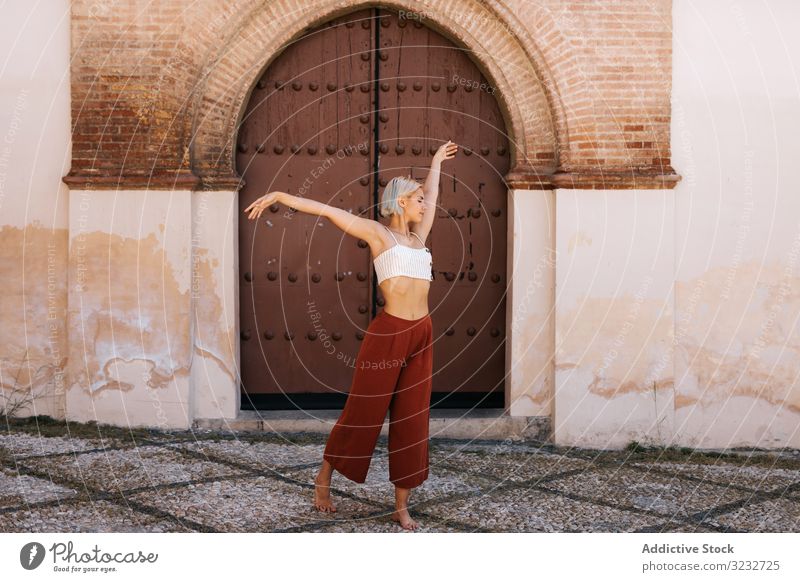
x: 530, y: 318
x: 130, y: 337
x: 152, y: 307
x: 215, y: 293
x: 736, y: 118
x: 34, y: 155
x: 614, y: 311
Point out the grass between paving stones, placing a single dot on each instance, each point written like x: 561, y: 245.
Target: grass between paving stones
x: 46, y: 426
x: 750, y: 457
x: 636, y: 452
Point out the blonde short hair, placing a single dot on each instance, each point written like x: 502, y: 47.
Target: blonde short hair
x: 396, y: 188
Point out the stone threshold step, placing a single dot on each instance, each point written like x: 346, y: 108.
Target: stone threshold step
x: 448, y: 423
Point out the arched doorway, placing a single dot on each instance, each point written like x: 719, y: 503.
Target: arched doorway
x: 354, y: 102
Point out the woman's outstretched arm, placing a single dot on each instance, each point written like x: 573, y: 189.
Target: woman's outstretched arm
x: 431, y: 188
x: 363, y: 228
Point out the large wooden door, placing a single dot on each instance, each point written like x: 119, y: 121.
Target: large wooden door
x: 361, y: 99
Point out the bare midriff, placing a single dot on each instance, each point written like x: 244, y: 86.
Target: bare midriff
x: 405, y: 297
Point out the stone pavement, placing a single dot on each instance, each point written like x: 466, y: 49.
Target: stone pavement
x: 69, y: 477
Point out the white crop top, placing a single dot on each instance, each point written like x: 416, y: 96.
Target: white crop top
x: 404, y: 260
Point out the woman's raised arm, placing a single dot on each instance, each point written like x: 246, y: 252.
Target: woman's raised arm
x: 431, y: 188
x: 363, y: 228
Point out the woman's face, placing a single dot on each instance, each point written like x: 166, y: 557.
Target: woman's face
x: 415, y: 206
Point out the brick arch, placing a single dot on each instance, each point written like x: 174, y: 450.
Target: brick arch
x: 526, y: 94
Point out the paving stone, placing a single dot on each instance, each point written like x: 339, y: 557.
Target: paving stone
x: 384, y: 524
x: 770, y: 515
x: 661, y: 494
x: 253, y: 504
x: 119, y: 470
x: 508, y: 464
x: 531, y: 510
x: 20, y: 490
x: 21, y: 444
x: 474, y: 446
x: 88, y: 516
x: 757, y: 477
x: 258, y: 455
x: 672, y: 526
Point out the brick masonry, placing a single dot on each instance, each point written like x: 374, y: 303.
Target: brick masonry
x: 158, y: 88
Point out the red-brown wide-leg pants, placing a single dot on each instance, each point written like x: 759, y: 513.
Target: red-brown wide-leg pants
x: 392, y: 371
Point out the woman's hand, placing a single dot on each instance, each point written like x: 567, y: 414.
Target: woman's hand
x: 257, y: 207
x: 446, y: 152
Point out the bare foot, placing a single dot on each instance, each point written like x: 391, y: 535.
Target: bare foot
x: 402, y: 516
x: 322, y: 494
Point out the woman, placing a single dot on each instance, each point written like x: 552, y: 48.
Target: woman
x: 394, y: 364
